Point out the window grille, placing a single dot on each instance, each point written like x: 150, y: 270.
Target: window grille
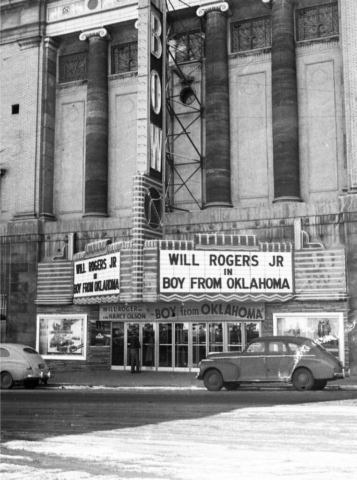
x: 125, y: 58
x: 73, y: 67
x: 251, y: 34
x: 317, y: 22
x: 189, y: 46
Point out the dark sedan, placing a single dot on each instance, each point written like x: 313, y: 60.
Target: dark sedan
x: 297, y: 360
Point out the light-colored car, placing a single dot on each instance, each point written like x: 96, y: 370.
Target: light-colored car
x: 297, y: 360
x: 21, y: 364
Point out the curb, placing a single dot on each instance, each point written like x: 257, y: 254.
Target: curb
x: 67, y: 386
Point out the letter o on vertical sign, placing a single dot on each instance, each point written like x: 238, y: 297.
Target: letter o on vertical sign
x: 155, y: 91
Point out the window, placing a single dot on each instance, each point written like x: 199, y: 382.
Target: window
x: 251, y: 34
x: 317, y: 22
x: 125, y: 58
x: 72, y: 67
x: 30, y: 350
x: 4, y: 353
x: 325, y: 329
x: 256, y: 347
x: 189, y: 46
x: 15, y: 109
x: 277, y: 347
x: 293, y: 347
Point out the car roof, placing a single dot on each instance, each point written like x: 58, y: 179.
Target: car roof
x: 15, y: 346
x: 283, y: 338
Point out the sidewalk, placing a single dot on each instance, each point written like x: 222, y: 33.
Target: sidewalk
x: 119, y: 379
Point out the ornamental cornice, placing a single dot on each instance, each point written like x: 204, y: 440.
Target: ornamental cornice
x: 97, y: 32
x: 214, y: 7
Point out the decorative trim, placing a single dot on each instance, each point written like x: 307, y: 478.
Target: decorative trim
x: 30, y: 42
x: 123, y: 78
x: 71, y: 87
x: 313, y: 46
x: 220, y: 7
x: 97, y: 300
x: 263, y: 55
x: 226, y: 298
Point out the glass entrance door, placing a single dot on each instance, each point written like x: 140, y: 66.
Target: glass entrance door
x: 148, y: 346
x: 118, y: 344
x: 199, y: 340
x: 215, y: 339
x: 181, y: 345
x: 234, y: 335
x: 131, y: 330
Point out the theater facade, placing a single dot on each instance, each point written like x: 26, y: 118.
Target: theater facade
x: 214, y: 293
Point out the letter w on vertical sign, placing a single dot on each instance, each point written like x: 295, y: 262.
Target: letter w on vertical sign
x: 156, y: 147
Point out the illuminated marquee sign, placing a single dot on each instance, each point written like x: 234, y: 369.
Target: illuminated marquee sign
x: 225, y: 272
x: 97, y: 276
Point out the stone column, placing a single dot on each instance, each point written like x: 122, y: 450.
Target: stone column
x: 96, y: 162
x: 284, y: 102
x: 217, y: 161
x: 48, y: 130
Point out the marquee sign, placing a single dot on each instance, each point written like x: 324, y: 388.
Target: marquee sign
x: 182, y: 312
x: 97, y: 276
x: 225, y: 272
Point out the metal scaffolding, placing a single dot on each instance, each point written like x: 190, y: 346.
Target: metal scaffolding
x: 184, y: 47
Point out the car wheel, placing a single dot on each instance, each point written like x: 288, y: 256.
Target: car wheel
x: 7, y: 381
x: 30, y: 384
x: 303, y: 379
x: 213, y: 380
x: 231, y: 385
x: 320, y: 384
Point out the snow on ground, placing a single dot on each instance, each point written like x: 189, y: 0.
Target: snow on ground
x: 309, y: 441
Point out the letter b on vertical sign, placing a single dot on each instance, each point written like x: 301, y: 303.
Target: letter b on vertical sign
x: 156, y: 50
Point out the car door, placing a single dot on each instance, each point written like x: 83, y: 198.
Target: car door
x: 277, y: 361
x: 252, y: 363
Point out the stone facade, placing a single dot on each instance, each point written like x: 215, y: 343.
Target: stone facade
x: 49, y: 166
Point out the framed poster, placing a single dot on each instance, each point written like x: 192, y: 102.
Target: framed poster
x: 62, y: 337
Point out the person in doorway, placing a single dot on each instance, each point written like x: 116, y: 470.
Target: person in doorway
x: 134, y: 353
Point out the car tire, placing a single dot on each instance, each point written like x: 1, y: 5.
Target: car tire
x: 320, y: 384
x: 7, y: 381
x: 231, y: 385
x: 213, y: 380
x: 303, y: 379
x: 30, y: 384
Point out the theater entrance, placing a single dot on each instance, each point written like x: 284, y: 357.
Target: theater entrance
x: 178, y: 346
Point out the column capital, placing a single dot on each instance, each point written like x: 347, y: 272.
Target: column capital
x: 97, y: 32
x: 270, y: 3
x: 214, y: 7
x: 51, y: 43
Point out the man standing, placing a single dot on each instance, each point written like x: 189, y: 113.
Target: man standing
x: 134, y: 352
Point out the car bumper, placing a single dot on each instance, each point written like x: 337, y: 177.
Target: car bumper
x: 39, y: 376
x: 344, y: 374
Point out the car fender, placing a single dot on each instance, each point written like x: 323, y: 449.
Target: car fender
x: 17, y: 370
x: 318, y: 369
x: 229, y: 371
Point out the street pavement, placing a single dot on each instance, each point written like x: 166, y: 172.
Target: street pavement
x: 120, y: 379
